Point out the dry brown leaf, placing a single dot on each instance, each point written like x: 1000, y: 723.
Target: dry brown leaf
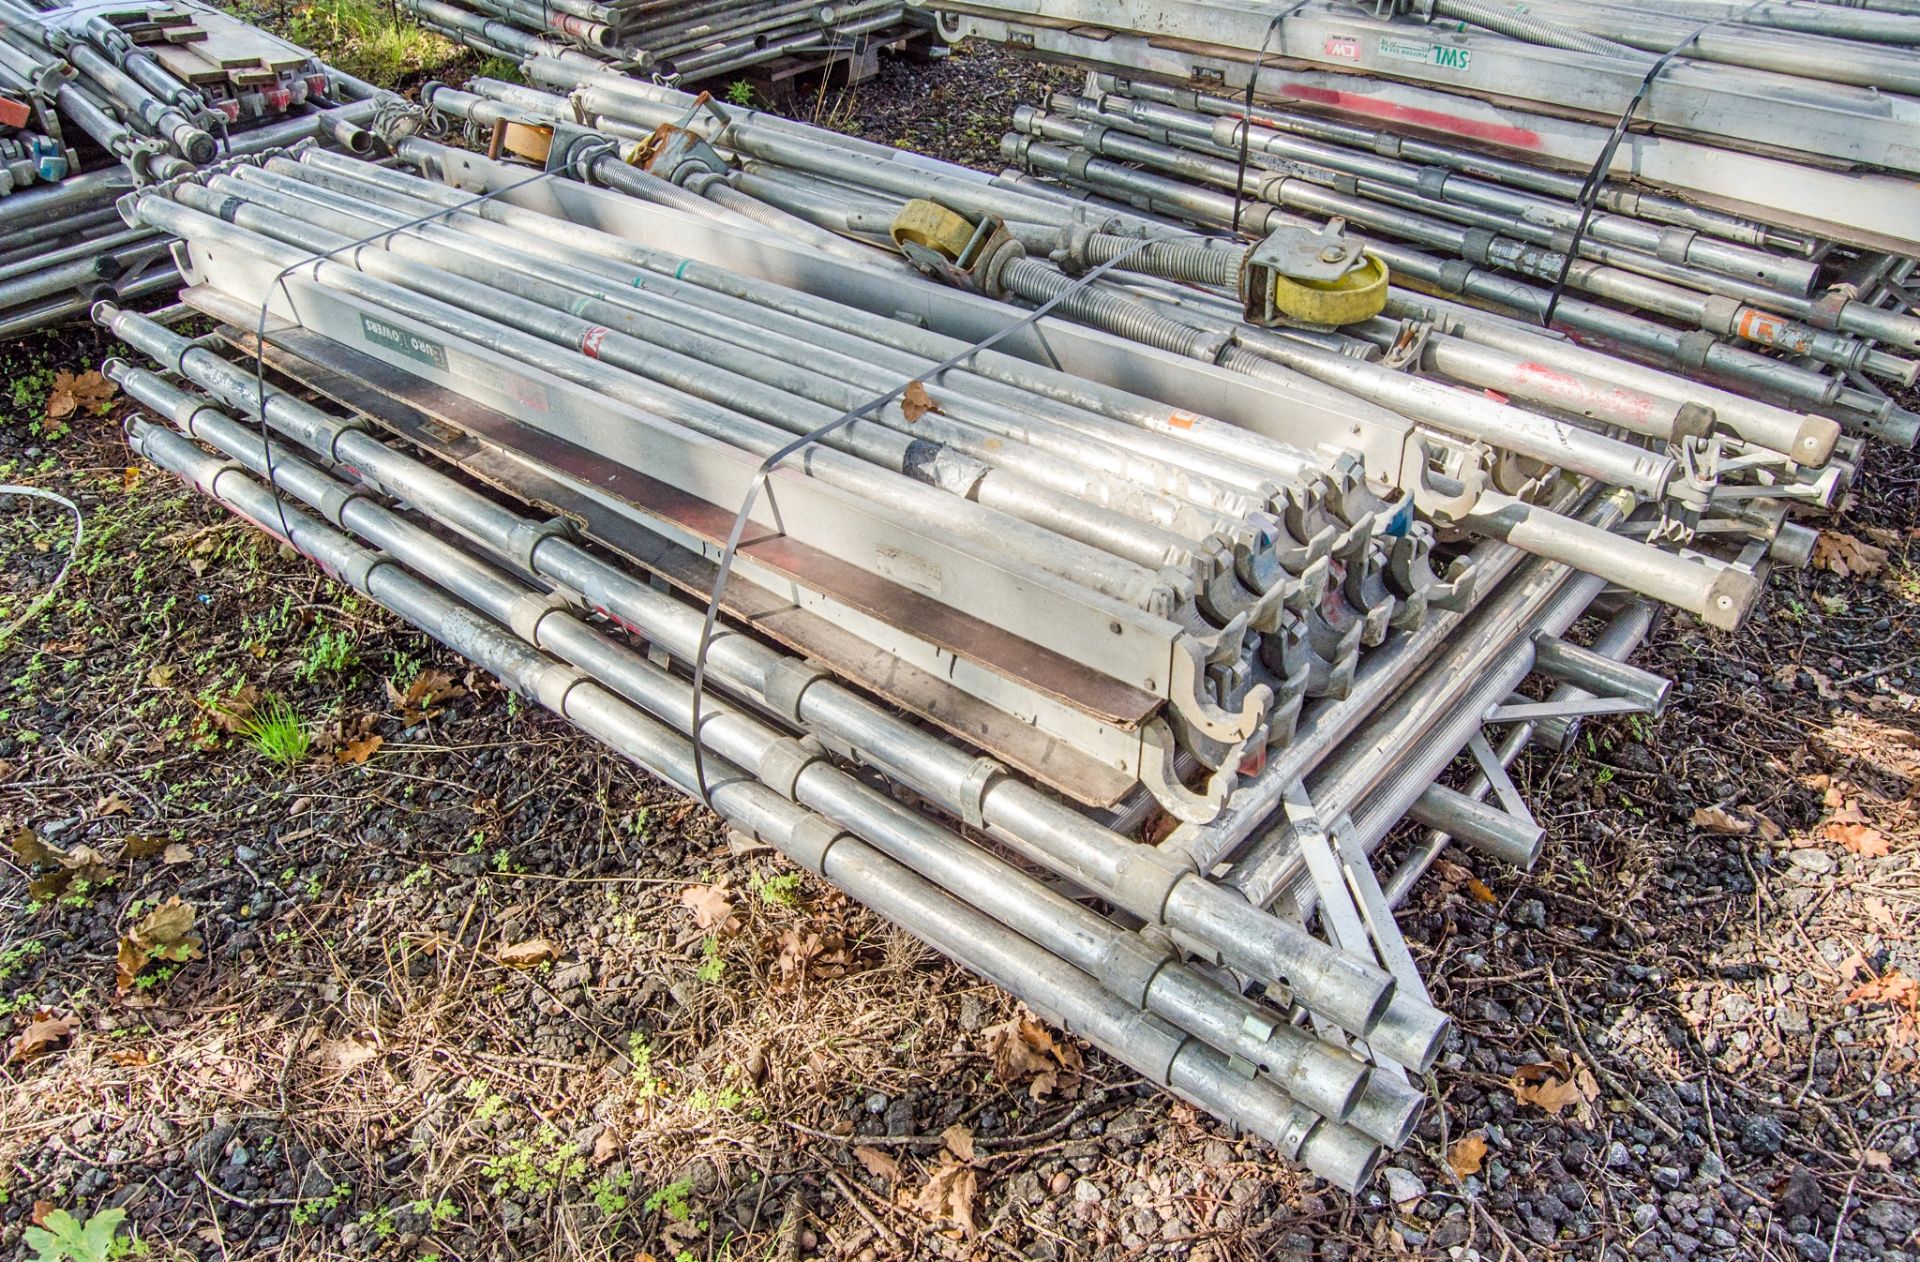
x: 144, y: 846
x: 161, y: 676
x: 89, y: 391
x: 811, y: 954
x: 1481, y: 894
x: 45, y: 1033
x: 606, y: 1146
x: 343, y: 1056
x: 529, y: 954
x: 712, y: 907
x: 1467, y: 1156
x: 916, y: 403
x: 1715, y: 820
x: 1846, y: 556
x: 233, y: 714
x: 1893, y: 988
x: 41, y: 1209
x: 164, y: 934
x: 1868, y: 843
x: 879, y: 1164
x: 1024, y: 1051
x: 1555, y: 1088
x: 355, y: 753
x: 949, y: 1196
x: 1874, y: 1159
x: 177, y: 854
x: 29, y: 848
x: 420, y: 701
x: 959, y: 1141
x: 112, y: 804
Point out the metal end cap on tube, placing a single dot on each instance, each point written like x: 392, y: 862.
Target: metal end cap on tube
x: 1388, y: 1111
x: 1412, y: 1032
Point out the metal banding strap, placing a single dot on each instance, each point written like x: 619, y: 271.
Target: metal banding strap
x: 1246, y: 114
x: 1597, y: 175
x: 761, y: 478
x: 279, y: 282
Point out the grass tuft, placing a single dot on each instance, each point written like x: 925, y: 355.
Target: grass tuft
x: 367, y: 41
x: 277, y: 734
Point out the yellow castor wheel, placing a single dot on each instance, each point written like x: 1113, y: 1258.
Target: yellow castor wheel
x: 1359, y: 295
x: 928, y: 225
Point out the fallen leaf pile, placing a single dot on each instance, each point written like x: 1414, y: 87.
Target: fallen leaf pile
x: 712, y: 907
x: 1555, y: 1088
x: 1847, y: 556
x: 45, y: 1033
x: 1467, y: 1156
x: 952, y: 1186
x: 1023, y: 1050
x: 423, y: 697
x: 59, y: 870
x: 164, y: 935
x: 804, y: 954
x: 87, y: 392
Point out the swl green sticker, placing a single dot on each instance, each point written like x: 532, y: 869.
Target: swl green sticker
x: 412, y: 345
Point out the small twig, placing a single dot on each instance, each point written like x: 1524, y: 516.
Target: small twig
x: 1611, y: 1082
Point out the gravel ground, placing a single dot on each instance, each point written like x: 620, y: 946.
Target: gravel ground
x: 466, y: 987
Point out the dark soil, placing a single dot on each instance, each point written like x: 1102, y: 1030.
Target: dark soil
x: 348, y: 1068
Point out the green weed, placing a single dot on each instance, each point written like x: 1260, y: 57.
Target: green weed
x: 365, y: 39
x: 327, y: 653
x: 277, y: 733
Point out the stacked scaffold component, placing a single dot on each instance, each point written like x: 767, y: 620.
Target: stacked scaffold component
x: 94, y: 100
x: 675, y: 40
x: 1796, y: 116
x: 1111, y: 590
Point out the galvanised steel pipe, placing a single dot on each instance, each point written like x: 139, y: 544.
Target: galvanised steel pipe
x: 780, y: 394
x: 1699, y: 350
x: 163, y: 279
x: 1379, y: 684
x: 801, y: 367
x: 1443, y: 186
x: 1109, y: 307
x: 1493, y: 832
x: 1202, y: 445
x: 704, y: 193
x: 1596, y: 671
x: 1719, y: 594
x: 1523, y: 24
x: 551, y: 340
x: 137, y: 104
x: 1807, y: 440
x: 1498, y: 241
x: 1614, y: 197
x: 1804, y: 55
x: 1054, y: 426
x: 1311, y: 1071
x: 1067, y: 996
x: 1470, y: 415
x: 1386, y: 767
x: 1618, y: 639
x: 1136, y: 878
x: 1624, y: 633
x: 1851, y: 19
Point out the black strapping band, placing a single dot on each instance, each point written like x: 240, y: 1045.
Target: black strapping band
x: 767, y: 466
x: 1597, y: 175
